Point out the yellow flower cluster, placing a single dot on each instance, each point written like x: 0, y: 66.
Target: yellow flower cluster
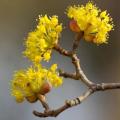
x: 40, y: 42
x: 28, y: 83
x: 94, y: 23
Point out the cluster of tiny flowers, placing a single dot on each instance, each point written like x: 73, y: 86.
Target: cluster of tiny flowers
x: 28, y: 83
x: 90, y: 20
x: 40, y: 42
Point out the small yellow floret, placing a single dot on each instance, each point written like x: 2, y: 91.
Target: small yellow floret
x: 53, y: 67
x: 18, y: 95
x: 47, y: 55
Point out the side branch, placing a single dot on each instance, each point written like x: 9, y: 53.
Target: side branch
x: 70, y: 103
x: 51, y: 113
x: 68, y: 75
x: 79, y: 73
x: 62, y: 51
x: 106, y: 86
x: 42, y: 99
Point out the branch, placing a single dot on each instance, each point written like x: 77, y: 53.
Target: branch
x: 78, y: 100
x: 79, y: 73
x: 68, y: 104
x: 77, y: 41
x: 106, y: 86
x: 68, y: 75
x: 51, y: 113
x: 62, y: 51
x: 43, y: 102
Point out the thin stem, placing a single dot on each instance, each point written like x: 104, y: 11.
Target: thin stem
x: 51, y: 113
x: 77, y: 41
x: 106, y: 86
x: 68, y: 75
x: 43, y: 102
x: 68, y: 104
x: 79, y: 71
x: 79, y: 75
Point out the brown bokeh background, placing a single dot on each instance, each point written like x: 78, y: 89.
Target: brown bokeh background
x: 100, y: 63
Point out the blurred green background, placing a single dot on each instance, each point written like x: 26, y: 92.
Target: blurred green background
x: 100, y: 63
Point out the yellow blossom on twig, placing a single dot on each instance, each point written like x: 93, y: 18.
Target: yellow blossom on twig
x: 90, y: 20
x: 35, y: 80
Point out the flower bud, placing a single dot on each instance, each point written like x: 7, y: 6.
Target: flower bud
x: 74, y: 26
x: 46, y: 88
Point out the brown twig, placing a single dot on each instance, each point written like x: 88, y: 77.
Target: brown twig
x: 51, y: 113
x: 68, y: 75
x: 106, y: 86
x: 77, y: 41
x: 78, y: 100
x: 76, y: 62
x: 43, y: 102
x: 68, y: 104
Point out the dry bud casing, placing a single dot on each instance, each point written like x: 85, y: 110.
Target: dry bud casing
x: 46, y: 88
x: 73, y: 26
